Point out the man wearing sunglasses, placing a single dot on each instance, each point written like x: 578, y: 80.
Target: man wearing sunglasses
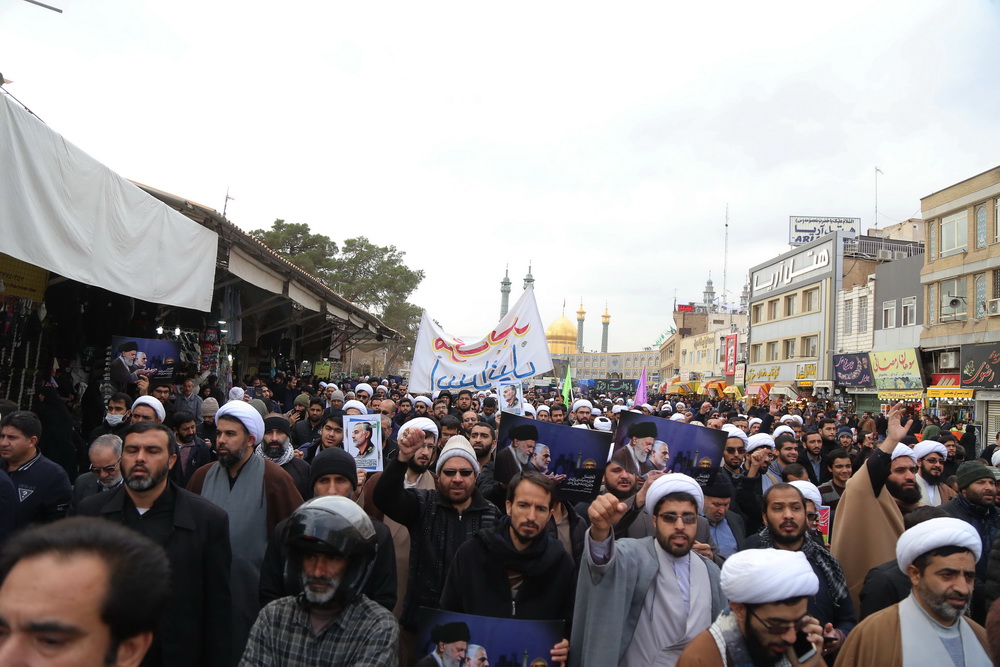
x: 105, y: 453
x: 931, y: 456
x: 768, y: 593
x: 653, y: 594
x: 439, y: 521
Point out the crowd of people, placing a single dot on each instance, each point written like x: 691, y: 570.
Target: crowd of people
x: 213, y: 527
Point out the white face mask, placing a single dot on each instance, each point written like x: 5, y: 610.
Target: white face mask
x: 114, y: 420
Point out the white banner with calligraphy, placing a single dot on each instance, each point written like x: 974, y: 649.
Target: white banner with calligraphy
x: 514, y: 350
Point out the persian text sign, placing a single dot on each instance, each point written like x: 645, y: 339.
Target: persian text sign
x: 981, y: 365
x: 514, y: 350
x: 852, y: 370
x: 805, y: 229
x: 896, y: 369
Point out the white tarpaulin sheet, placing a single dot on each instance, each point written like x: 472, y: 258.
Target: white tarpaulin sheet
x: 514, y: 350
x: 64, y: 211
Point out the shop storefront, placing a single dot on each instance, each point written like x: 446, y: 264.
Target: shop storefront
x: 946, y: 396
x: 980, y: 371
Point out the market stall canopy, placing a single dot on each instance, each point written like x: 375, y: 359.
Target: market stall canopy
x: 784, y: 388
x: 64, y: 211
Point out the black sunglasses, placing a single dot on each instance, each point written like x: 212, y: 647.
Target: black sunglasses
x: 452, y: 473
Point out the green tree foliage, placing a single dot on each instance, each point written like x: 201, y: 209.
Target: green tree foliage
x: 372, y: 276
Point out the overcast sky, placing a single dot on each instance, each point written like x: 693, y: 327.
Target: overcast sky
x: 602, y: 142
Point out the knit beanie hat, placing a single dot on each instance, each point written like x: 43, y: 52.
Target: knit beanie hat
x: 333, y: 461
x: 209, y: 407
x: 458, y: 445
x: 259, y: 406
x: 970, y: 471
x: 302, y: 399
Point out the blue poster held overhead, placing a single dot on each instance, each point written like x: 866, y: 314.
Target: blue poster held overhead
x: 644, y: 443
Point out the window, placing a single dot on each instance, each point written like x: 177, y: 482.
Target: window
x: 810, y: 300
x: 996, y: 284
x: 790, y: 305
x: 954, y: 233
x: 932, y: 239
x: 932, y: 304
x: 772, y: 309
x: 790, y: 349
x: 758, y: 312
x: 772, y: 351
x: 810, y: 346
x: 953, y: 297
x: 996, y: 220
x: 862, y: 314
x: 888, y: 314
x: 981, y: 226
x: 848, y: 316
x: 980, y: 296
x: 755, y: 353
x: 909, y: 311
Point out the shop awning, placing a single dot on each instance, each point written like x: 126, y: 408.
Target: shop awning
x: 718, y: 386
x: 65, y: 212
x: 734, y: 391
x: 676, y: 389
x: 947, y: 385
x: 760, y: 390
x: 784, y: 388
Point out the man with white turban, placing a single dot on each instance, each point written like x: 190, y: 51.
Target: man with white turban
x: 581, y: 411
x: 929, y: 627
x: 256, y: 494
x: 640, y: 601
x: 869, y: 518
x: 768, y: 592
x: 931, y: 456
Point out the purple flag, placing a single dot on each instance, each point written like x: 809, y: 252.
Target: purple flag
x: 640, y: 389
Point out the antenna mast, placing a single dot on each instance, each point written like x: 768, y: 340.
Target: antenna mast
x: 725, y: 258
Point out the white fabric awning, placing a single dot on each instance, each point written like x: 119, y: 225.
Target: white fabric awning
x: 64, y: 211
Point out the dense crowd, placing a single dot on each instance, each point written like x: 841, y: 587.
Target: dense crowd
x: 223, y: 527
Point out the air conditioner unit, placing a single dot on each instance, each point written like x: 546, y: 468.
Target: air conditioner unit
x: 948, y: 360
x: 899, y: 254
x: 993, y: 307
x: 884, y: 254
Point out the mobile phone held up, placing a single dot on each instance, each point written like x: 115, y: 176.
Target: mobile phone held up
x: 804, y: 650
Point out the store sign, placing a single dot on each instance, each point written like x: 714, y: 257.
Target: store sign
x: 805, y: 372
x: 897, y: 370
x: 947, y: 385
x: 740, y: 377
x: 981, y: 365
x: 806, y: 229
x: 800, y: 267
x: 852, y: 370
x: 901, y: 394
x: 685, y: 308
x: 731, y: 347
x: 763, y: 374
x: 21, y: 279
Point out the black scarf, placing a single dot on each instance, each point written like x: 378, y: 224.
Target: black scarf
x: 817, y: 555
x: 533, y: 561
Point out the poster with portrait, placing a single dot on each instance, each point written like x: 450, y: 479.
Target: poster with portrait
x: 363, y: 440
x: 133, y: 358
x: 670, y: 446
x: 574, y: 456
x: 511, y: 398
x: 499, y: 642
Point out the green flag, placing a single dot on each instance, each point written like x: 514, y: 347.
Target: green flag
x: 567, y: 391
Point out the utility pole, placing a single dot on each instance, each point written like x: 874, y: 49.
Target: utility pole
x: 877, y: 172
x: 725, y: 257
x: 225, y: 204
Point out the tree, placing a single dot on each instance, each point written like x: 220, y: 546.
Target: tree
x: 313, y: 253
x: 374, y: 277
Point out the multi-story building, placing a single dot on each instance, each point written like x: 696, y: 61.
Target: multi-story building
x: 961, y: 289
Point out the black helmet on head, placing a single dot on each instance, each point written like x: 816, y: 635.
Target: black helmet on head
x: 335, y: 526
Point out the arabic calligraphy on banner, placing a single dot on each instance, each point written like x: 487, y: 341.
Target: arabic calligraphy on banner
x: 763, y: 374
x: 802, y: 229
x: 981, y: 365
x: 792, y: 270
x: 514, y: 350
x: 896, y: 369
x: 852, y: 370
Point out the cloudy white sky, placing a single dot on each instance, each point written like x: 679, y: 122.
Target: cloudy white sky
x: 600, y: 141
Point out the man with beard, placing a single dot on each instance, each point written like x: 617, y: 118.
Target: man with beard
x: 439, y: 521
x: 363, y: 393
x: 869, y: 517
x: 582, y: 409
x: 558, y: 413
x: 514, y: 569
x: 659, y: 456
x: 333, y: 472
x: 931, y: 456
x: 635, y: 454
x: 277, y: 447
x: 206, y: 429
x: 976, y: 505
x: 256, y: 494
x: 543, y: 414
x: 927, y: 628
x: 307, y: 430
x: 451, y: 644
x: 733, y: 453
x: 787, y: 453
x: 331, y: 434
x: 768, y: 593
x: 105, y: 453
x: 812, y: 458
x: 726, y: 527
x: 652, y: 594
x: 421, y: 406
x: 827, y: 429
x: 331, y: 547
x: 785, y: 527
x: 515, y: 458
x: 417, y: 476
x: 194, y: 452
x: 195, y: 629
x: 361, y: 438
x: 469, y: 419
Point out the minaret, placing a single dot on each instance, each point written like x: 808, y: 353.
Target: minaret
x: 605, y: 321
x: 505, y: 293
x: 745, y: 298
x: 708, y: 297
x: 579, y: 327
x: 529, y: 280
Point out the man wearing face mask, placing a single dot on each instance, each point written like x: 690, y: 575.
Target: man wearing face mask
x: 116, y: 419
x: 194, y: 452
x: 277, y: 446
